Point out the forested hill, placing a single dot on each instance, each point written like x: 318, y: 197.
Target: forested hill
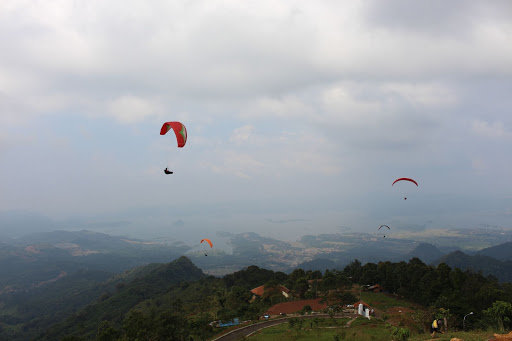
x: 502, y: 270
x: 426, y: 252
x: 501, y: 252
x: 150, y: 281
x: 177, y: 301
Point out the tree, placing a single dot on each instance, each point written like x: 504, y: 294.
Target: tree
x: 306, y: 309
x: 271, y: 283
x: 201, y: 327
x: 353, y: 270
x: 171, y: 326
x: 296, y: 274
x: 301, y: 286
x: 136, y: 325
x: 328, y: 281
x: 499, y: 313
x: 236, y: 300
x: 423, y: 319
x: 107, y: 332
x: 347, y: 298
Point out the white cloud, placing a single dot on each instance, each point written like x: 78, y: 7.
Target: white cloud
x: 285, y: 107
x: 314, y: 89
x: 423, y: 94
x: 242, y: 134
x: 131, y: 109
x: 236, y: 163
x: 226, y: 49
x: 493, y: 130
x: 273, y: 156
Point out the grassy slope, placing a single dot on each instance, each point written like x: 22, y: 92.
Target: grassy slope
x: 396, y: 312
x: 360, y: 329
x: 364, y: 330
x: 476, y: 335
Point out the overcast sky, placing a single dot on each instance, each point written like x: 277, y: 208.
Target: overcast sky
x: 300, y: 114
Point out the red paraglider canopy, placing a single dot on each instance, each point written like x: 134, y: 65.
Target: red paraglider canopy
x: 405, y: 179
x: 179, y: 130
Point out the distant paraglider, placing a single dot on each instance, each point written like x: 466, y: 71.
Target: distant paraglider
x: 405, y: 179
x: 384, y: 231
x: 181, y: 135
x: 205, y: 248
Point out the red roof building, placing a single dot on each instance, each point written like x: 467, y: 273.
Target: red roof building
x: 259, y: 291
x: 375, y: 288
x: 295, y: 306
x: 366, y: 305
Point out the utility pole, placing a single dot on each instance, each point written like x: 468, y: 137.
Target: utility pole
x: 464, y: 320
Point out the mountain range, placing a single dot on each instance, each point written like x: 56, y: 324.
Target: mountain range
x: 49, y: 278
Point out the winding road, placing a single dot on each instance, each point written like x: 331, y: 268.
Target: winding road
x: 242, y: 332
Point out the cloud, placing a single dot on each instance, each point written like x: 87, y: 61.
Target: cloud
x: 131, y: 109
x: 479, y: 165
x: 422, y: 94
x: 285, y: 107
x: 238, y: 164
x: 272, y: 154
x: 294, y: 102
x: 495, y: 130
x: 286, y: 221
x: 178, y: 223
x: 241, y: 134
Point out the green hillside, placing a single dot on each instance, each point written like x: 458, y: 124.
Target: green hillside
x: 501, y: 251
x: 148, y: 282
x: 502, y: 270
x: 177, y: 301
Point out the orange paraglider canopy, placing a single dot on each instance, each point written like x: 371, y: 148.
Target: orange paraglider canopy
x: 208, y: 241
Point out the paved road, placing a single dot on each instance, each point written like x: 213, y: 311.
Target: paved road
x: 240, y: 333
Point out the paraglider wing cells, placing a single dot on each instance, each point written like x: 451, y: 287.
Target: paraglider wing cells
x: 179, y: 130
x: 405, y: 179
x: 208, y: 241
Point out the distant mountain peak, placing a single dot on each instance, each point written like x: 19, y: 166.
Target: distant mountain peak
x: 426, y: 252
x: 501, y: 251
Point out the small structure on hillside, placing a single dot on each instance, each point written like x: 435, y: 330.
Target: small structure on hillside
x: 219, y: 323
x: 363, y: 309
x: 375, y: 288
x: 233, y: 322
x: 260, y: 291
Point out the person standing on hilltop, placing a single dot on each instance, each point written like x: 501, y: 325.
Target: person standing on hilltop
x: 436, y: 327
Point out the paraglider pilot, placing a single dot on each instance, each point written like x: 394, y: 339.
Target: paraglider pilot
x: 166, y: 171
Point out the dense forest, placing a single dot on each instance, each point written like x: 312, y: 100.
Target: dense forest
x: 177, y: 301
